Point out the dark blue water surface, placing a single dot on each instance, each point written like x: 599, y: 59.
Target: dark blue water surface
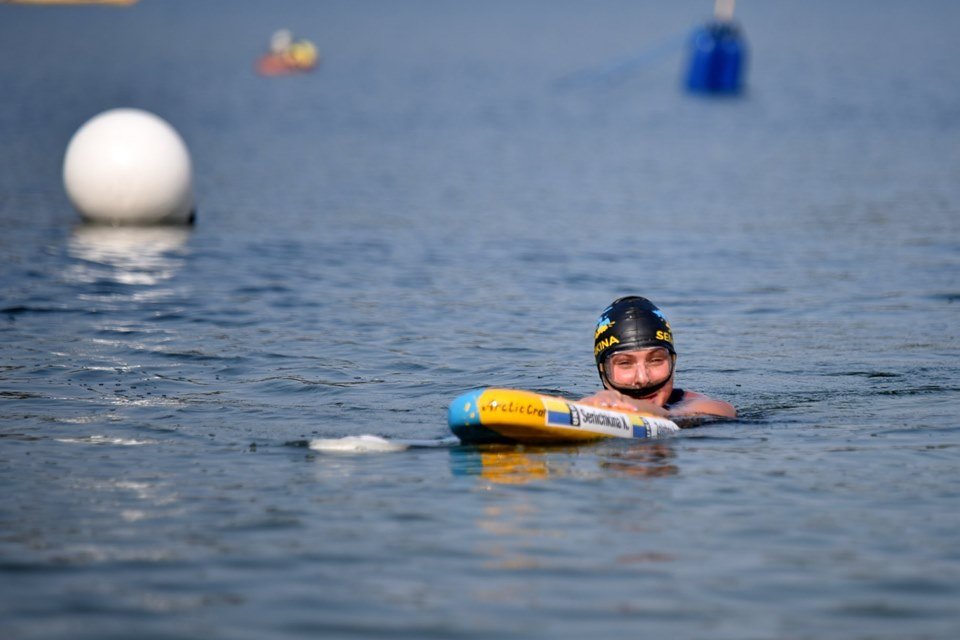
x: 447, y: 203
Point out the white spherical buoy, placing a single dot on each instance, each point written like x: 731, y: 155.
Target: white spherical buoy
x: 128, y: 166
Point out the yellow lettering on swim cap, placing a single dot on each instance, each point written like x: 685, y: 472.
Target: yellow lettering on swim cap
x: 666, y: 336
x: 604, y: 344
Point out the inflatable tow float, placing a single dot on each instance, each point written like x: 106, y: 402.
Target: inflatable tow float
x: 494, y: 415
x: 288, y: 56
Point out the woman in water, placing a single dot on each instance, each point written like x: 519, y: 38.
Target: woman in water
x: 633, y: 346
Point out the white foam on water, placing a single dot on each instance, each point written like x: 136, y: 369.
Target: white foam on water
x: 125, y: 442
x: 373, y: 444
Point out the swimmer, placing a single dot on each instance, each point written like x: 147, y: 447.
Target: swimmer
x: 633, y: 346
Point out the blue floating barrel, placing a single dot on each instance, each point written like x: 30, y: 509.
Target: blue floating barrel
x: 718, y: 54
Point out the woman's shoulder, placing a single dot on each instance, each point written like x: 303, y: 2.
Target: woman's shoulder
x: 695, y: 403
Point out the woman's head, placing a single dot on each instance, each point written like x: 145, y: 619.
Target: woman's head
x: 633, y: 347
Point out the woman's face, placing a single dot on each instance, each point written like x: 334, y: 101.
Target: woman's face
x: 642, y: 369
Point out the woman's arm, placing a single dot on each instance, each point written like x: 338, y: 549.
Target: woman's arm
x: 693, y: 405
x: 609, y: 399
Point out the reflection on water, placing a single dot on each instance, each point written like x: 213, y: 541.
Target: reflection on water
x: 523, y: 529
x: 515, y: 464
x: 512, y: 467
x: 517, y: 533
x: 126, y: 255
x: 651, y: 461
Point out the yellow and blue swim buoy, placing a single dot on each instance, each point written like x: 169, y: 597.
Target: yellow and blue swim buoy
x: 495, y: 415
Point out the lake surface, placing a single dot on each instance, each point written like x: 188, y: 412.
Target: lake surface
x: 448, y: 202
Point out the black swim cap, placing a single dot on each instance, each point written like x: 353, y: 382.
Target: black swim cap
x: 631, y: 323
